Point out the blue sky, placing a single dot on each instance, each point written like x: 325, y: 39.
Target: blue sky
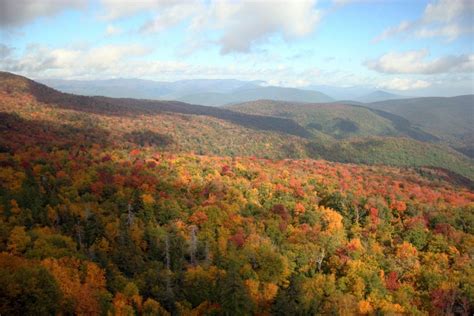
x: 410, y: 47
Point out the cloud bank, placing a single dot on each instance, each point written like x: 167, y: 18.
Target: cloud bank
x: 14, y: 13
x: 416, y: 62
x: 447, y: 19
x: 239, y: 25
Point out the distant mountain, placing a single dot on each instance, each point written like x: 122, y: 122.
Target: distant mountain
x: 245, y: 95
x: 147, y: 89
x: 379, y: 95
x: 360, y: 93
x: 449, y: 118
x: 212, y: 92
x: 118, y: 88
x: 341, y: 93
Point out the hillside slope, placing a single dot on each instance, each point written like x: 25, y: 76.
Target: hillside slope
x: 95, y: 228
x: 124, y: 107
x: 180, y: 127
x: 337, y: 120
x: 356, y: 133
x: 450, y: 119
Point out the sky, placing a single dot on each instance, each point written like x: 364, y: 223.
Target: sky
x: 410, y: 47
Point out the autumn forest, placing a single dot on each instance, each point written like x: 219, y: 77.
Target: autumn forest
x: 123, y: 207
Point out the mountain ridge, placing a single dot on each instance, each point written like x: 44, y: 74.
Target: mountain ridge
x: 210, y: 130
x: 380, y: 95
x: 215, y: 92
x: 120, y: 106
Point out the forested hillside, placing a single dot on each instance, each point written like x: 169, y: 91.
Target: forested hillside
x: 104, y: 210
x: 356, y: 133
x: 337, y: 120
x: 450, y: 119
x: 91, y: 228
x: 217, y: 131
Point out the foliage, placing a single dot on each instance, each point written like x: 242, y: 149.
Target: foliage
x: 98, y: 228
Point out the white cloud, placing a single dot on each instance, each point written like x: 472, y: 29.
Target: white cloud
x: 19, y: 12
x: 415, y: 62
x: 262, y: 19
x: 172, y: 15
x: 403, y: 84
x: 239, y: 25
x: 446, y: 10
x: 114, y: 61
x: 41, y: 60
x: 404, y: 26
x: 116, y: 9
x: 104, y: 57
x: 448, y: 19
x: 448, y: 31
x: 117, y: 61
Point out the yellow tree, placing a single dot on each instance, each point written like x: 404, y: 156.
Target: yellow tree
x: 18, y: 241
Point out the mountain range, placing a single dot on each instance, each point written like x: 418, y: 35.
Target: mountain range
x: 358, y: 133
x: 201, y: 91
x: 216, y: 92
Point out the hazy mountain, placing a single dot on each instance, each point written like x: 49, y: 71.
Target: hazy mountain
x: 244, y: 95
x: 342, y: 93
x: 147, y: 89
x: 119, y: 88
x: 214, y: 92
x: 379, y: 95
x: 356, y: 93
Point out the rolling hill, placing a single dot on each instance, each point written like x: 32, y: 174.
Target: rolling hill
x: 178, y: 127
x: 448, y: 118
x: 192, y: 128
x: 368, y: 135
x: 335, y: 119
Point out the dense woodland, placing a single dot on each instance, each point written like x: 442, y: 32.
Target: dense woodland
x: 98, y: 217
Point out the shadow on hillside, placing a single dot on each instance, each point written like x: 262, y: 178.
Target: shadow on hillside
x: 131, y: 107
x: 433, y: 173
x: 403, y: 125
x: 18, y: 133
